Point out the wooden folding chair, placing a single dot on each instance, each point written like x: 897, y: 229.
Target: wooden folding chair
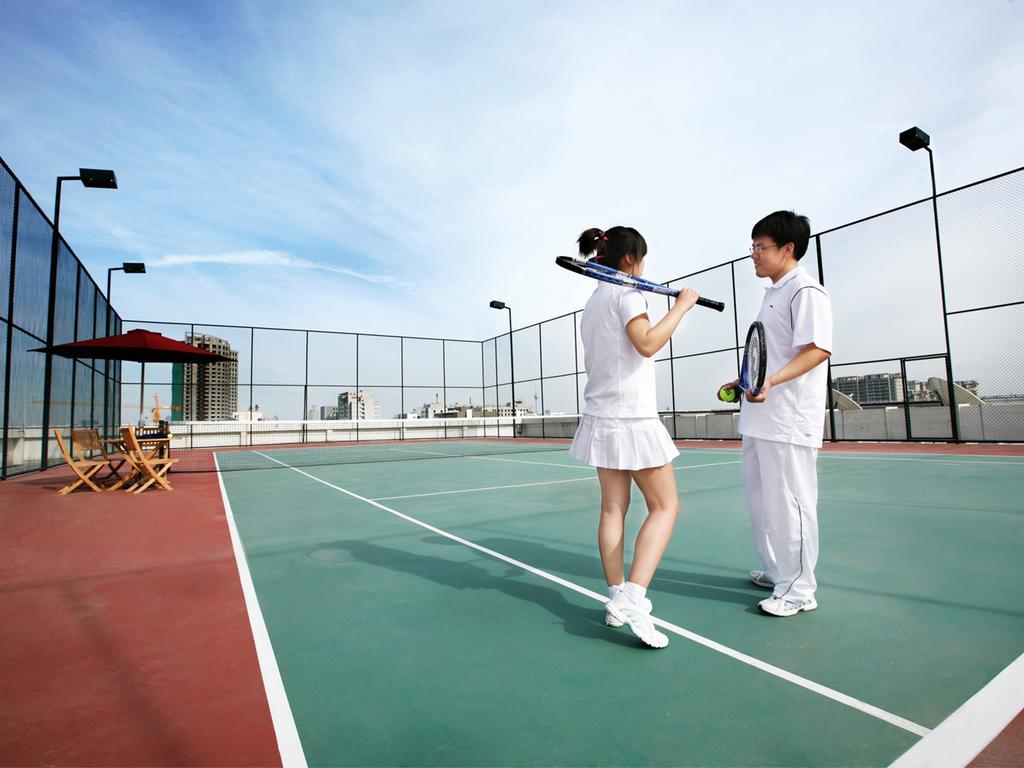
x: 84, y: 469
x: 86, y: 443
x: 147, y: 470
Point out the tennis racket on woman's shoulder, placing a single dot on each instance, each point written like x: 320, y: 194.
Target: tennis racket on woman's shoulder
x: 755, y: 360
x: 609, y: 275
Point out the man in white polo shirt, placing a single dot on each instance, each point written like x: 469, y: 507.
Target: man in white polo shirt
x: 782, y: 426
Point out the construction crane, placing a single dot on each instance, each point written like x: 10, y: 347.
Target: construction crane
x: 156, y: 408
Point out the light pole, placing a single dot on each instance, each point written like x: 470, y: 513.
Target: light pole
x: 129, y: 268
x: 915, y: 139
x: 511, y: 356
x: 90, y: 177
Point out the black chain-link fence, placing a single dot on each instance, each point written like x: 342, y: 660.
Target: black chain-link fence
x: 894, y: 308
x: 906, y: 323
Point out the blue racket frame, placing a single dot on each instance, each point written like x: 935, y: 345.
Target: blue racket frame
x: 755, y: 347
x: 608, y: 275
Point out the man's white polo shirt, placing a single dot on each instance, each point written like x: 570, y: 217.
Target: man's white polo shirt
x: 796, y: 311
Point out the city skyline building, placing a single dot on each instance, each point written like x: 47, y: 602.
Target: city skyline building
x: 358, y: 405
x: 205, y: 392
x: 889, y: 388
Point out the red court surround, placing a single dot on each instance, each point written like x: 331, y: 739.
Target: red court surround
x: 125, y: 636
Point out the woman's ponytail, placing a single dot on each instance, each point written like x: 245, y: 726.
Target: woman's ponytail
x: 611, y: 246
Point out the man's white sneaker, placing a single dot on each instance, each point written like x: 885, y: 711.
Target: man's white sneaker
x: 611, y: 621
x: 638, y: 616
x: 761, y: 579
x: 781, y: 607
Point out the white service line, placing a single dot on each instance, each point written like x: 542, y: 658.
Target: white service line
x: 959, y: 738
x: 288, y: 743
x: 771, y: 669
x: 425, y: 453
x: 528, y: 485
x: 712, y: 464
x: 540, y: 463
x: 987, y: 458
x: 884, y: 457
x: 485, y: 488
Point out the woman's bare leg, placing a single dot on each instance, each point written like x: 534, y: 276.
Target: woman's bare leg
x: 615, y: 487
x: 658, y: 486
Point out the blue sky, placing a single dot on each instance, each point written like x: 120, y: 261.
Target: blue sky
x: 390, y: 167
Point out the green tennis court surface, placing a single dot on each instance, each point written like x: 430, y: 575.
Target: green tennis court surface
x: 400, y: 644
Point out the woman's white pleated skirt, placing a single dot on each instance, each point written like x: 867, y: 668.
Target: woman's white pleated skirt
x: 622, y: 443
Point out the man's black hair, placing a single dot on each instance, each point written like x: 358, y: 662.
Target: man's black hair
x: 785, y: 227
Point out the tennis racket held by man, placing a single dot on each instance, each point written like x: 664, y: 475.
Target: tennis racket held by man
x: 753, y: 369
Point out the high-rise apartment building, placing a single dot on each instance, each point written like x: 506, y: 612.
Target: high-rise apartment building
x: 358, y: 405
x: 872, y: 388
x: 205, y: 392
x: 889, y: 388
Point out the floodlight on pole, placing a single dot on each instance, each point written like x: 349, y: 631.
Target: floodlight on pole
x: 97, y: 177
x: 90, y: 177
x: 129, y: 268
x: 495, y: 304
x: 915, y: 139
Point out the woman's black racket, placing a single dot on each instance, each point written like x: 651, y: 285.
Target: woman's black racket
x: 609, y: 275
x: 755, y: 360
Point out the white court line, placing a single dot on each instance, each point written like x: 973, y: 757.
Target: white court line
x: 771, y: 669
x: 540, y: 463
x: 425, y: 453
x: 485, y: 488
x: 964, y: 734
x: 987, y: 458
x: 528, y: 485
x: 486, y: 458
x: 712, y: 464
x: 923, y: 461
x: 288, y: 743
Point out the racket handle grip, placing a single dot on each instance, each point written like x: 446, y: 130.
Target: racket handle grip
x: 718, y: 306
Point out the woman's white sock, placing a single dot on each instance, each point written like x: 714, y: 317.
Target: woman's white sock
x: 635, y: 591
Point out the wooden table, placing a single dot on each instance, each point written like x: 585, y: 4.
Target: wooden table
x: 161, y: 445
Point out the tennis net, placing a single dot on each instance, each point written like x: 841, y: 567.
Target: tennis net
x: 232, y: 445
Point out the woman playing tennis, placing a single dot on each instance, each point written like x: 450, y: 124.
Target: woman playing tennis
x: 620, y: 433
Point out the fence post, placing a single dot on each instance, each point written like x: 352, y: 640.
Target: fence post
x: 828, y: 362
x: 10, y: 330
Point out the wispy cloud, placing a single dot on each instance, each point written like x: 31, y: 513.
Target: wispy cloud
x: 277, y: 259
x: 479, y: 139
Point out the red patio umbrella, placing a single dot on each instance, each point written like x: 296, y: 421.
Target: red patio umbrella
x: 139, y: 346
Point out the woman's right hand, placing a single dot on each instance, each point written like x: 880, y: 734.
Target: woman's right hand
x: 686, y: 299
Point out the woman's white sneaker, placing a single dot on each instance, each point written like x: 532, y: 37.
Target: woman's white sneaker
x: 761, y: 579
x: 638, y: 616
x: 611, y: 621
x: 777, y: 606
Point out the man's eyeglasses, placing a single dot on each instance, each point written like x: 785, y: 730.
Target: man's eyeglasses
x: 760, y: 248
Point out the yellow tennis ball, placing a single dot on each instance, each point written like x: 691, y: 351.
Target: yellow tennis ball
x: 728, y: 394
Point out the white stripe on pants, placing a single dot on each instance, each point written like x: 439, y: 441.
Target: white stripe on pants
x: 781, y: 483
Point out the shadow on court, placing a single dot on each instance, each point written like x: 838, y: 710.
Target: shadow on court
x: 582, y: 621
x: 703, y: 586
